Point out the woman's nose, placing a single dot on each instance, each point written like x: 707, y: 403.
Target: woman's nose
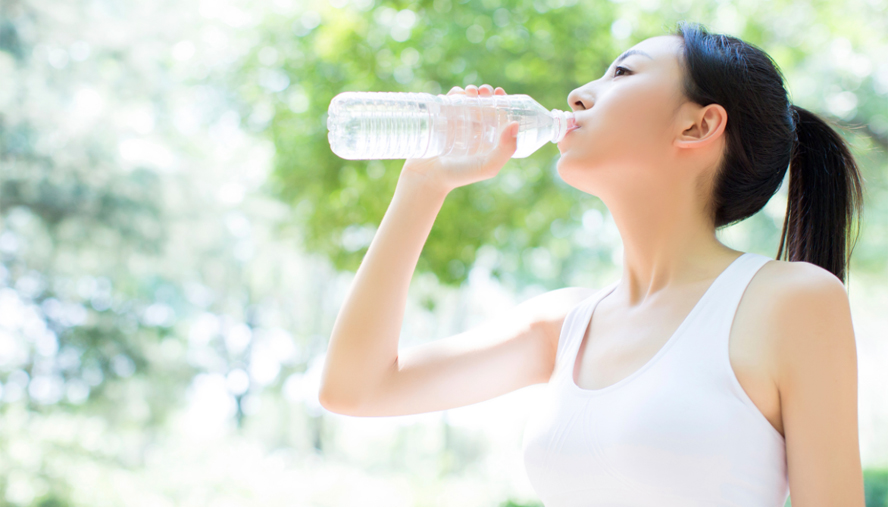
x: 576, y: 101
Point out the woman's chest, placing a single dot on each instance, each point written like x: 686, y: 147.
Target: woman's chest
x: 615, y: 346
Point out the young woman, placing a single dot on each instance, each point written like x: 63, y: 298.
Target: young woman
x: 708, y: 376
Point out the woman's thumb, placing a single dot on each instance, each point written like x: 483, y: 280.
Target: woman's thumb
x: 509, y: 138
x: 508, y: 143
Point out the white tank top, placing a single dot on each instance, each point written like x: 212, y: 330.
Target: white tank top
x: 680, y: 431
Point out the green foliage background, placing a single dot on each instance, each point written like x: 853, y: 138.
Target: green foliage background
x: 176, y: 236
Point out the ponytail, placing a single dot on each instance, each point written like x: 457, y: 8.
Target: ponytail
x: 825, y: 191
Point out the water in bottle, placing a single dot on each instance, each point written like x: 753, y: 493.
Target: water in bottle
x: 389, y: 125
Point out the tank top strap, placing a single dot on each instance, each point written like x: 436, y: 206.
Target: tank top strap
x: 574, y: 327
x: 706, y: 335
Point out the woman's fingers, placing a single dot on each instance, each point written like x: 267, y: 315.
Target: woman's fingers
x: 484, y: 90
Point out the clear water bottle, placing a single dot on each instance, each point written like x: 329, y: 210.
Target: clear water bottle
x: 389, y: 125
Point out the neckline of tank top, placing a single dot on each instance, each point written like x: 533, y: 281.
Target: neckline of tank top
x: 575, y: 348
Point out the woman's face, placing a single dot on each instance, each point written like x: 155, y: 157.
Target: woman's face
x: 627, y: 123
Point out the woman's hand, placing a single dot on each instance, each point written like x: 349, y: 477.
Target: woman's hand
x: 452, y: 172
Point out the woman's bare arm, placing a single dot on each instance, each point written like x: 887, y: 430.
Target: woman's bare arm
x: 364, y: 374
x: 363, y: 347
x: 512, y: 350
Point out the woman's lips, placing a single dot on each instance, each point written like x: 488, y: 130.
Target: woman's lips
x: 571, y: 124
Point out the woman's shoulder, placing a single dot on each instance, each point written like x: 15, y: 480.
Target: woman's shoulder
x: 784, y: 292
x: 554, y: 305
x: 789, y: 308
x: 779, y: 279
x: 549, y: 310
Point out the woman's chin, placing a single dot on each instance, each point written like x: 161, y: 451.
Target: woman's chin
x: 567, y: 169
x: 579, y: 174
x: 569, y: 162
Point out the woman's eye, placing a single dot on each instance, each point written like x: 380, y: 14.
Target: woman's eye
x: 617, y: 69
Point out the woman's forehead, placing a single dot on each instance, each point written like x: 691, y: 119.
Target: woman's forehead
x: 659, y: 48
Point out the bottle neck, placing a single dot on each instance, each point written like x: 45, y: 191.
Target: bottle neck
x: 563, y: 121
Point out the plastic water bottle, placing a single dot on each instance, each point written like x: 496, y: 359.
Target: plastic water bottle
x: 388, y: 125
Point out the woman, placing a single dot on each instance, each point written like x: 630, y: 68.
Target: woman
x: 708, y: 376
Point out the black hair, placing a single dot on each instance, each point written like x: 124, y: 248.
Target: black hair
x: 766, y: 134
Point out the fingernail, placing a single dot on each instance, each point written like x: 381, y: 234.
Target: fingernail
x: 515, y: 130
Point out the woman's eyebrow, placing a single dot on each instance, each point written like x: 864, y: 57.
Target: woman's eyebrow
x: 631, y: 52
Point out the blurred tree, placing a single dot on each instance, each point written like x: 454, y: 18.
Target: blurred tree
x: 72, y: 226
x: 138, y: 272
x: 430, y: 47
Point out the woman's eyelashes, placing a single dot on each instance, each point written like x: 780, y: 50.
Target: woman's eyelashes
x: 624, y: 69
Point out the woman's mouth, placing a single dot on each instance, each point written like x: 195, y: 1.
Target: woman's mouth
x: 571, y: 125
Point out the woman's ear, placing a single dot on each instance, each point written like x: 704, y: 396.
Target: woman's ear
x: 701, y: 125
